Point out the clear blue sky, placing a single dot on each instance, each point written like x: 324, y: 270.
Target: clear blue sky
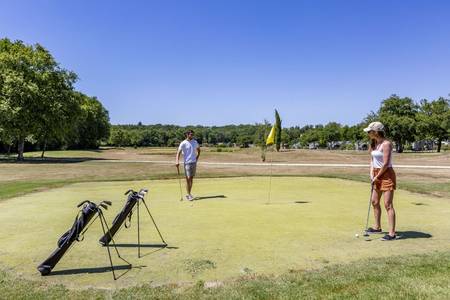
x: 229, y: 62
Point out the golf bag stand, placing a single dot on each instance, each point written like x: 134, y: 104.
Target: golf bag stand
x: 76, y: 233
x: 134, y: 199
x: 138, y: 225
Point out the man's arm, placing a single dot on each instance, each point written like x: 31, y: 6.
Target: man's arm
x: 198, y: 152
x: 177, y: 157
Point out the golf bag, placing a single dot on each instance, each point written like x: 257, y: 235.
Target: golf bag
x: 126, y: 212
x: 81, y: 221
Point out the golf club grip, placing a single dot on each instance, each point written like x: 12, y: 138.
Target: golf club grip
x: 83, y: 202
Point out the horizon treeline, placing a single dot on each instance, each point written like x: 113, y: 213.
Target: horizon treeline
x: 405, y: 120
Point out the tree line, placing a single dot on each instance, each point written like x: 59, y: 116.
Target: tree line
x: 39, y: 106
x: 405, y: 120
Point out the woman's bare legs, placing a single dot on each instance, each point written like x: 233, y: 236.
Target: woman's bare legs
x: 376, y: 196
x: 388, y: 204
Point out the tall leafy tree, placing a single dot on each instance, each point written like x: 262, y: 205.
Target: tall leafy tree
x: 399, y: 117
x: 93, y: 125
x: 434, y: 120
x: 277, y: 131
x: 35, y: 92
x: 331, y: 133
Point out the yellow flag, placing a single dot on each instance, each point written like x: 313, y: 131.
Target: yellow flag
x: 271, y: 138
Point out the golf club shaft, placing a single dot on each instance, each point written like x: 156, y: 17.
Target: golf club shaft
x: 179, y: 181
x: 368, y: 210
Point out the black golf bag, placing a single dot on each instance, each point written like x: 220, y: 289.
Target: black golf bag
x: 81, y: 221
x: 126, y: 212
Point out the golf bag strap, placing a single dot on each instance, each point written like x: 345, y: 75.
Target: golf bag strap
x: 80, y: 236
x: 129, y: 220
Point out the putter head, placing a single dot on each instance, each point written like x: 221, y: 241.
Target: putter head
x: 107, y: 202
x: 365, y: 234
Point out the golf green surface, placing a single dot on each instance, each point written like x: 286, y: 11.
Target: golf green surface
x: 230, y: 231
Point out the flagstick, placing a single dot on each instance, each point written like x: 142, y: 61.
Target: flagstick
x: 270, y: 180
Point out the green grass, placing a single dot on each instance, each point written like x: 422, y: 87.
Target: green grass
x: 18, y: 187
x: 304, y: 226
x: 412, y: 276
x: 397, y: 277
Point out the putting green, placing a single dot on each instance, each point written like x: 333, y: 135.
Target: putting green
x: 232, y: 230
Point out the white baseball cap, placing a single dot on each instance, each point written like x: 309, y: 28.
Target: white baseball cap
x: 374, y: 126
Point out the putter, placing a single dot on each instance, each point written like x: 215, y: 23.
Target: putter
x: 179, y: 181
x: 368, y: 212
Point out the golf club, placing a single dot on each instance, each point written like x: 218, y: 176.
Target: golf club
x: 179, y: 181
x: 368, y: 211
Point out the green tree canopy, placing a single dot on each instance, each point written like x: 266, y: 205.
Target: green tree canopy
x: 399, y: 117
x: 434, y: 120
x: 35, y: 93
x: 93, y: 125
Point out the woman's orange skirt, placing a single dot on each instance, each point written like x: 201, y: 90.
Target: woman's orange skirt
x: 387, y: 181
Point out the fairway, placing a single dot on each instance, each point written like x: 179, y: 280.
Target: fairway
x: 231, y: 230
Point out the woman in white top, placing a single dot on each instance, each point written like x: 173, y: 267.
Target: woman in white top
x: 383, y: 178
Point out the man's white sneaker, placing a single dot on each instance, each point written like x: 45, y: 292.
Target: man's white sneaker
x: 190, y: 198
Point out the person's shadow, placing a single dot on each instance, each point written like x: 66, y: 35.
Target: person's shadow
x: 413, y: 235
x: 209, y: 197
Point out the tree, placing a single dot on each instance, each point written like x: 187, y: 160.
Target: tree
x: 35, y: 93
x: 331, y: 133
x: 434, y: 120
x: 277, y: 131
x: 120, y: 137
x: 399, y: 117
x: 6, y: 140
x: 311, y: 135
x: 92, y: 125
x: 262, y: 131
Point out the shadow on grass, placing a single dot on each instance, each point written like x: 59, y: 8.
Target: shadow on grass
x: 50, y: 160
x: 95, y: 270
x: 209, y: 197
x: 413, y: 235
x: 157, y: 247
x: 144, y: 246
x: 287, y: 202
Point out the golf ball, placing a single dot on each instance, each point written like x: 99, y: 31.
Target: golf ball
x: 356, y: 235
